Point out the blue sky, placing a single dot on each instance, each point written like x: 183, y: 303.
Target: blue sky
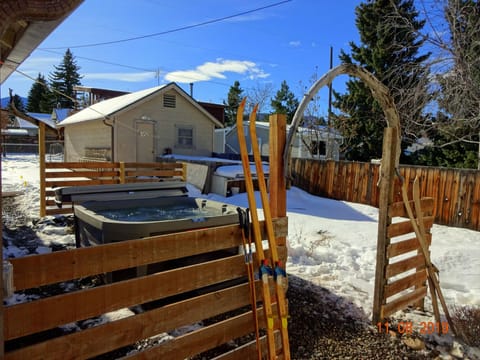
x: 270, y: 41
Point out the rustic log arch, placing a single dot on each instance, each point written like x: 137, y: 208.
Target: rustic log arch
x: 380, y: 93
x: 390, y: 161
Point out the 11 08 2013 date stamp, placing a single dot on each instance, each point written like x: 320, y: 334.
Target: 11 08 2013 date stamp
x: 408, y: 327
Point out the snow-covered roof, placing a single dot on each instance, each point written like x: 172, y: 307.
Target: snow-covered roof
x: 117, y: 104
x: 24, y: 124
x: 106, y: 108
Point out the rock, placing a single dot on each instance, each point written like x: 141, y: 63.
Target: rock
x: 414, y: 344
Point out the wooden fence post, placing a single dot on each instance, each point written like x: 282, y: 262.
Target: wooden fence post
x: 41, y: 154
x: 387, y: 177
x: 122, y: 172
x: 276, y: 177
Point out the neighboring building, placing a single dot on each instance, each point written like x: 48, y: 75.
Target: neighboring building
x: 318, y: 143
x: 140, y: 127
x: 21, y: 136
x: 60, y: 114
x: 88, y: 96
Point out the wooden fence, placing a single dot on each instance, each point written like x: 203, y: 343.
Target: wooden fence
x: 33, y: 330
x: 60, y: 174
x: 456, y: 192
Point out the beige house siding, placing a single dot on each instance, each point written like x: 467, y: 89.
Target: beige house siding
x: 79, y: 137
x: 144, y: 130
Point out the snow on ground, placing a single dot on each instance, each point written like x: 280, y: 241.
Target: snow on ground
x: 331, y: 243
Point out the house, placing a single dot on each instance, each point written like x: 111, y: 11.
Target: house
x: 319, y: 142
x: 140, y: 127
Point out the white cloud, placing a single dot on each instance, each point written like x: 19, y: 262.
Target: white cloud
x: 211, y: 70
x: 296, y: 43
x: 127, y: 77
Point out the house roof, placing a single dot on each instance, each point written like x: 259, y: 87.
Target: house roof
x: 116, y: 105
x: 45, y: 118
x: 60, y: 114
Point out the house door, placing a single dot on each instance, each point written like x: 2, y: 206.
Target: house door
x: 145, y: 141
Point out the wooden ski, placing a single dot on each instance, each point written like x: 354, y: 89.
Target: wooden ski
x: 278, y: 269
x: 257, y: 235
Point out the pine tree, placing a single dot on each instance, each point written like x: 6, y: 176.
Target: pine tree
x: 62, y: 81
x: 285, y: 102
x: 233, y: 101
x: 36, y: 95
x: 389, y: 49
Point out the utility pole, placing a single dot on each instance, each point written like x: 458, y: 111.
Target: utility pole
x: 329, y: 144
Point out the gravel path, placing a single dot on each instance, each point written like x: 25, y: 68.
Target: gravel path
x: 324, y: 326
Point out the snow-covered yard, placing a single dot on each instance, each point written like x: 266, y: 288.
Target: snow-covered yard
x: 330, y: 243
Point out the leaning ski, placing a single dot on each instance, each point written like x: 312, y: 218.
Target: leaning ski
x: 263, y: 263
x: 279, y: 271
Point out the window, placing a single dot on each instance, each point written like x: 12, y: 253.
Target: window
x: 169, y: 101
x: 185, y: 137
x: 319, y: 148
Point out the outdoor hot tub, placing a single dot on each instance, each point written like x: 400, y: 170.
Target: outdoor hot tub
x: 113, y: 213
x: 101, y: 222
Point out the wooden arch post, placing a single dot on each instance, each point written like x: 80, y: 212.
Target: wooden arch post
x: 390, y: 161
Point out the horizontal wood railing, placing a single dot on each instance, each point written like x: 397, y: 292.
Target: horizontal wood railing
x: 33, y: 330
x: 456, y: 192
x: 61, y: 174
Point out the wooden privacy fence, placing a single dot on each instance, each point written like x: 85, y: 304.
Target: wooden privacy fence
x: 405, y: 273
x: 32, y: 330
x: 60, y: 174
x: 456, y: 192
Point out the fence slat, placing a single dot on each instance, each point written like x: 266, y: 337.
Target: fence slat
x: 405, y: 227
x: 416, y: 279
x: 405, y: 246
x: 415, y: 262
x: 398, y: 208
x: 404, y: 301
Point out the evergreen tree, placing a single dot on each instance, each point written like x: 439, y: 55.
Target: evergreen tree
x: 285, y: 102
x: 389, y: 49
x: 36, y: 95
x: 62, y: 81
x: 233, y: 101
x: 17, y: 100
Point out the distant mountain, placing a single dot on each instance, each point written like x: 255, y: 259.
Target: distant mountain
x: 4, y: 101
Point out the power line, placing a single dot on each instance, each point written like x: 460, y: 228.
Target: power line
x: 187, y: 27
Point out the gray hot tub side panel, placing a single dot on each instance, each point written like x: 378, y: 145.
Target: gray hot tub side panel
x: 94, y: 228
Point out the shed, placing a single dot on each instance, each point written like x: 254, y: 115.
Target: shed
x: 316, y: 142
x: 140, y: 126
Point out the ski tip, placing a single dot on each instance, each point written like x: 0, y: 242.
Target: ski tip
x: 243, y: 102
